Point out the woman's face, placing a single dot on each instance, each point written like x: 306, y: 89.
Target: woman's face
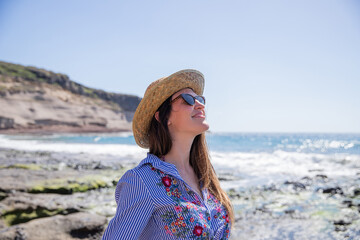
x: 187, y: 119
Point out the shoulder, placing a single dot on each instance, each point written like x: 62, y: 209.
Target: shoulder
x: 142, y: 170
x: 131, y: 185
x: 145, y: 170
x: 135, y: 181
x: 138, y: 172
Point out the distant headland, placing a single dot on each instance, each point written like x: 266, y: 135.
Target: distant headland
x: 34, y: 100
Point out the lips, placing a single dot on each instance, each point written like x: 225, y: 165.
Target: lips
x: 199, y: 115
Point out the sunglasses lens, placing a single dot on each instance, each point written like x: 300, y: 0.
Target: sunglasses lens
x: 201, y: 99
x: 191, y: 100
x: 188, y: 99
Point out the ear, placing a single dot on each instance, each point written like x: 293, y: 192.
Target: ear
x: 157, y: 116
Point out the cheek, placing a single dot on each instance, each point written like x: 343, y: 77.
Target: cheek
x: 175, y: 108
x: 179, y: 116
x: 175, y: 118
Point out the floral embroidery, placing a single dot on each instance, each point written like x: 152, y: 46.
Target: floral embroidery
x: 197, y: 230
x: 220, y: 210
x: 188, y: 216
x: 166, y: 181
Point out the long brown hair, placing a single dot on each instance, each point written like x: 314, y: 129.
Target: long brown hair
x: 161, y: 143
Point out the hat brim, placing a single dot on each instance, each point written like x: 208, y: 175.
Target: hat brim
x: 156, y: 94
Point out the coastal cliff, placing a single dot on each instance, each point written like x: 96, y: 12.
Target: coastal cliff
x: 37, y: 100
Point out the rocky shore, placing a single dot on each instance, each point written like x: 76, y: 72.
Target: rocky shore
x: 66, y: 196
x: 308, y: 208
x: 71, y: 196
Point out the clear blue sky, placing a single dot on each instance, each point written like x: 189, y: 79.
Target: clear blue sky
x: 270, y: 66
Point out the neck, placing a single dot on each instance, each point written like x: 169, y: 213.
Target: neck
x: 179, y: 155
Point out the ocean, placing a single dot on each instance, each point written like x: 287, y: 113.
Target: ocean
x: 254, y: 159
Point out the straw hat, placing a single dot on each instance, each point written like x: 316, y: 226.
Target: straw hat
x: 156, y: 94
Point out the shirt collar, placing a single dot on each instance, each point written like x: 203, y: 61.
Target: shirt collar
x: 167, y: 168
x: 157, y: 163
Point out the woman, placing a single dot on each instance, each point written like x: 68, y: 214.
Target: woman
x: 174, y: 192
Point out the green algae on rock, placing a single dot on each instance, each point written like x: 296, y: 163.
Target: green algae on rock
x: 17, y: 216
x: 71, y: 186
x: 22, y: 166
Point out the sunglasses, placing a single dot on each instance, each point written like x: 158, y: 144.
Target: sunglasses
x: 189, y: 99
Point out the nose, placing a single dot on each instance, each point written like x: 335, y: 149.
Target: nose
x: 199, y: 105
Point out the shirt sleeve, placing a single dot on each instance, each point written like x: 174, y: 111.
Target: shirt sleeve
x: 134, y: 208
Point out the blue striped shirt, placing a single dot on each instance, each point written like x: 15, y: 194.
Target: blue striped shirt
x: 154, y: 202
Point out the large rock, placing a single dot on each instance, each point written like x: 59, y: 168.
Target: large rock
x: 73, y: 226
x: 23, y: 207
x: 66, y: 181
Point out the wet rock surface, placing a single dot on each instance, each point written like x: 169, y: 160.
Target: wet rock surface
x: 65, y: 196
x: 313, y: 205
x: 73, y: 226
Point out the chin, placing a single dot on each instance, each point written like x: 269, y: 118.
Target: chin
x: 205, y: 126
